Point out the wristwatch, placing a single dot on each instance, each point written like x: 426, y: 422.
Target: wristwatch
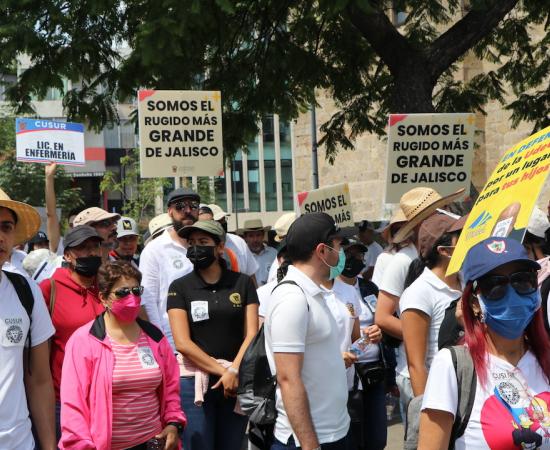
x: 178, y: 425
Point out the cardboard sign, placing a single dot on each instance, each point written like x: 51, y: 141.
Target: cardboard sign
x: 431, y: 150
x: 44, y: 141
x: 505, y: 204
x: 333, y: 200
x: 180, y: 133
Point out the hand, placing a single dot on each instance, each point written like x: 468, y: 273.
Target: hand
x: 374, y: 334
x: 170, y: 433
x: 50, y: 170
x: 458, y: 313
x: 349, y: 358
x: 230, y: 381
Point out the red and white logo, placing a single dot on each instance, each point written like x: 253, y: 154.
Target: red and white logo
x: 497, y: 247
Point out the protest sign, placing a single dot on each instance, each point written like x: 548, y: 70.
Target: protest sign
x: 432, y: 150
x: 180, y: 133
x: 505, y: 204
x: 44, y: 141
x: 333, y: 200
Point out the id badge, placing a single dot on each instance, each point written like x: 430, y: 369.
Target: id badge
x: 199, y: 310
x: 147, y: 358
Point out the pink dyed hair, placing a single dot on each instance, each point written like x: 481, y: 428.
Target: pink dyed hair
x: 535, y: 335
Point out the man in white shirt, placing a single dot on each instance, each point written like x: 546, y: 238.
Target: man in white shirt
x: 23, y: 393
x: 254, y: 234
x: 302, y: 343
x: 374, y: 249
x: 164, y: 259
x: 281, y: 226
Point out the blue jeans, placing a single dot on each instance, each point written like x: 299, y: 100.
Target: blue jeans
x: 214, y: 425
x: 342, y: 444
x: 372, y: 433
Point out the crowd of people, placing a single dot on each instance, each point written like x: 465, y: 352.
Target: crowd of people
x: 116, y: 340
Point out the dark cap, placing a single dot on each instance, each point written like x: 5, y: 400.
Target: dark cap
x: 431, y: 231
x: 211, y: 227
x: 181, y: 193
x: 365, y: 225
x: 494, y: 252
x: 459, y: 224
x: 79, y: 234
x: 351, y: 242
x: 39, y: 237
x: 310, y: 230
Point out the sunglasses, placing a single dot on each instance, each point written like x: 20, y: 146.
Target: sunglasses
x: 125, y: 291
x: 180, y: 206
x: 104, y: 223
x: 494, y: 287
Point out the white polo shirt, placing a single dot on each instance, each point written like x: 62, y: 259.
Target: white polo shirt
x: 247, y: 263
x: 298, y: 323
x: 264, y: 259
x: 15, y: 424
x: 162, y: 261
x: 393, y: 278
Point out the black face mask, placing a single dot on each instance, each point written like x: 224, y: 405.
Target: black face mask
x: 202, y: 256
x: 353, y: 267
x: 87, y: 265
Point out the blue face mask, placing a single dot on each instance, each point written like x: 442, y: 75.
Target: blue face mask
x: 510, y: 315
x: 339, y: 267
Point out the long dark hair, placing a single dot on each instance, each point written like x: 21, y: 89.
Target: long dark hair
x: 430, y: 260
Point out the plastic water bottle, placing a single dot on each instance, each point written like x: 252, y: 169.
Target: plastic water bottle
x: 360, y: 346
x: 391, y: 403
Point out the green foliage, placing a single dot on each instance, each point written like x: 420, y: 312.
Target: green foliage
x: 269, y: 56
x: 25, y: 182
x: 138, y: 193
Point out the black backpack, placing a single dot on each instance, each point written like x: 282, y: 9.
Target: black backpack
x: 257, y: 385
x: 24, y: 292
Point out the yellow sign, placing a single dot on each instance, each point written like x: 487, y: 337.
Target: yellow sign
x: 333, y: 200
x: 180, y: 133
x: 505, y: 204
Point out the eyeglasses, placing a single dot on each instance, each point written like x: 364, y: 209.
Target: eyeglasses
x: 180, y: 206
x: 494, y: 287
x: 104, y: 223
x: 125, y: 291
x: 7, y: 226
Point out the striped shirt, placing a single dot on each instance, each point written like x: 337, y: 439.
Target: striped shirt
x: 136, y: 407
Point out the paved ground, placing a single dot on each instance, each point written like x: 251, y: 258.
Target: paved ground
x: 395, y: 437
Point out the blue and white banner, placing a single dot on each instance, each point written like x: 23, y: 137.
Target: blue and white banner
x: 44, y: 141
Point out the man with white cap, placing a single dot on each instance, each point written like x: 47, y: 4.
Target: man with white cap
x: 25, y: 329
x: 281, y: 226
x: 105, y: 223
x: 127, y: 241
x: 247, y: 263
x: 164, y: 259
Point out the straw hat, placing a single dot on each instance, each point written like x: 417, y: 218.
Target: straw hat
x: 398, y: 217
x: 418, y: 204
x: 253, y: 225
x: 28, y: 219
x: 282, y: 224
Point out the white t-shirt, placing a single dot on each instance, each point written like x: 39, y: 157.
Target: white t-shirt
x: 247, y: 263
x: 393, y: 279
x: 344, y: 313
x: 272, y: 276
x: 264, y: 293
x: 374, y: 251
x: 298, y: 323
x: 15, y: 425
x: 264, y: 259
x: 15, y: 263
x: 493, y: 425
x: 432, y: 296
x: 381, y: 263
x: 162, y: 261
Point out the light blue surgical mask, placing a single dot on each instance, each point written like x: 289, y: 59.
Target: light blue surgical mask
x: 510, y: 315
x: 340, y: 265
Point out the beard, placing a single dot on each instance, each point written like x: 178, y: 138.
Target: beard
x: 177, y: 224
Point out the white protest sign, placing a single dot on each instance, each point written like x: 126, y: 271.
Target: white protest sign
x: 432, y: 150
x: 44, y: 141
x: 334, y: 200
x: 180, y: 133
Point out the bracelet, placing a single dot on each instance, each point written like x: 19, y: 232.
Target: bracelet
x: 233, y: 370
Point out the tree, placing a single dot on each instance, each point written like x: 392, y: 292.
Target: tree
x: 138, y: 194
x: 25, y: 182
x: 269, y: 56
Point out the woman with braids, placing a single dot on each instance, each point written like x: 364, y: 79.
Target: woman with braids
x: 509, y: 349
x: 429, y: 292
x: 120, y: 379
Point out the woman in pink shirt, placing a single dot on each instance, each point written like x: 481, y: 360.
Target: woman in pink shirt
x: 120, y: 379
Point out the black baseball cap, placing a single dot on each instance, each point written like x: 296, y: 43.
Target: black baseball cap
x: 365, y: 225
x: 79, y: 234
x: 310, y: 230
x: 39, y: 237
x: 181, y: 193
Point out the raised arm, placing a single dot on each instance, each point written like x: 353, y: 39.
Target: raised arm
x: 52, y: 222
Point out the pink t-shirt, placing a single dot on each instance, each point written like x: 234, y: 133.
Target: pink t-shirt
x: 136, y: 408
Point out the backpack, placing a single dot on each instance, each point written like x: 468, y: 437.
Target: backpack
x: 24, y: 292
x: 466, y: 387
x: 256, y: 391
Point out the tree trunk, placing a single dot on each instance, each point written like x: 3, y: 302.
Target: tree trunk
x: 412, y: 90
